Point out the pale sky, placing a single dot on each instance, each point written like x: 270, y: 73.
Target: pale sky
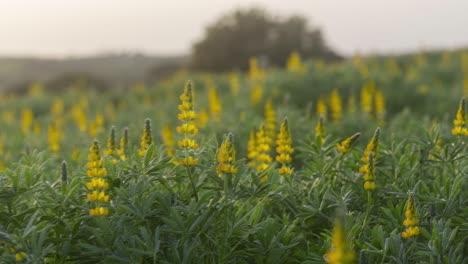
x: 84, y: 27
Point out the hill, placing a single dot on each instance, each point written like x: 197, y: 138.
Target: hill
x: 111, y: 69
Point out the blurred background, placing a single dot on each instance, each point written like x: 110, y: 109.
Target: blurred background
x: 113, y: 44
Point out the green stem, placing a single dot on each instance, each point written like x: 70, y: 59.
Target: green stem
x: 192, y: 183
x: 366, y: 218
x: 226, y: 185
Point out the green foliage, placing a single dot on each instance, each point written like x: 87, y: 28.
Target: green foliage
x: 163, y: 212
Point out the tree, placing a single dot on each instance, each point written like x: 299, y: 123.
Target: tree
x: 235, y: 37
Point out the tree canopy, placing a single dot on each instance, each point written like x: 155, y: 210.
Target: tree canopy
x: 235, y: 37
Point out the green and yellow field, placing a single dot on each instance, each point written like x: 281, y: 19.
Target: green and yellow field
x: 359, y: 161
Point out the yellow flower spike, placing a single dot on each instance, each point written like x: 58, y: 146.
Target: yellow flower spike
x: 234, y: 84
x: 284, y: 148
x: 187, y: 143
x: 255, y: 72
x: 146, y: 138
x: 189, y: 161
x: 27, y: 119
x: 122, y: 150
x: 226, y: 157
x: 252, y: 149
x: 372, y: 146
x: 320, y: 129
x: 369, y: 174
x: 321, y: 108
x: 188, y: 128
x: 345, y: 145
x: 203, y: 119
x: 97, y: 183
x: 294, y: 63
x: 411, y: 220
x: 20, y: 256
x: 341, y: 251
x: 168, y: 140
x: 336, y: 106
x: 57, y: 107
x: 54, y: 137
x: 111, y: 144
x: 460, y: 121
x: 379, y: 106
x: 187, y: 116
x: 214, y: 103
x: 366, y: 99
x: 262, y: 158
x: 97, y: 196
x: 98, y: 211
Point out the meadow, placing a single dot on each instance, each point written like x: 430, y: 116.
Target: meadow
x: 361, y: 161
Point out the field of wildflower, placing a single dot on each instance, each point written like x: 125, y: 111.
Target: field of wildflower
x: 362, y: 161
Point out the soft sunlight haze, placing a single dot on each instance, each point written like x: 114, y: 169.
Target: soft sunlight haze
x: 60, y: 28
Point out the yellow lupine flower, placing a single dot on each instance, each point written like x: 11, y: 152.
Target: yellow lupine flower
x: 27, y: 119
x: 371, y: 148
x: 369, y: 174
x: 366, y: 99
x: 379, y: 106
x: 35, y: 89
x: 336, y: 105
x: 340, y: 251
x: 203, y: 119
x: 234, y: 83
x: 320, y: 129
x: 168, y: 140
x: 321, y: 108
x: 294, y: 63
x: 263, y: 158
x: 255, y: 72
x: 187, y: 143
x: 97, y: 183
x: 97, y: 172
x: 20, y: 256
x: 187, y: 116
x: 460, y: 121
x: 188, y: 127
x: 97, y: 196
x: 226, y: 157
x: 146, y: 138
x: 188, y: 161
x: 284, y: 148
x: 122, y: 150
x: 37, y: 128
x: 98, y: 211
x: 54, y: 136
x: 411, y: 220
x: 57, y: 107
x: 345, y: 145
x: 214, y: 103
x: 111, y: 144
